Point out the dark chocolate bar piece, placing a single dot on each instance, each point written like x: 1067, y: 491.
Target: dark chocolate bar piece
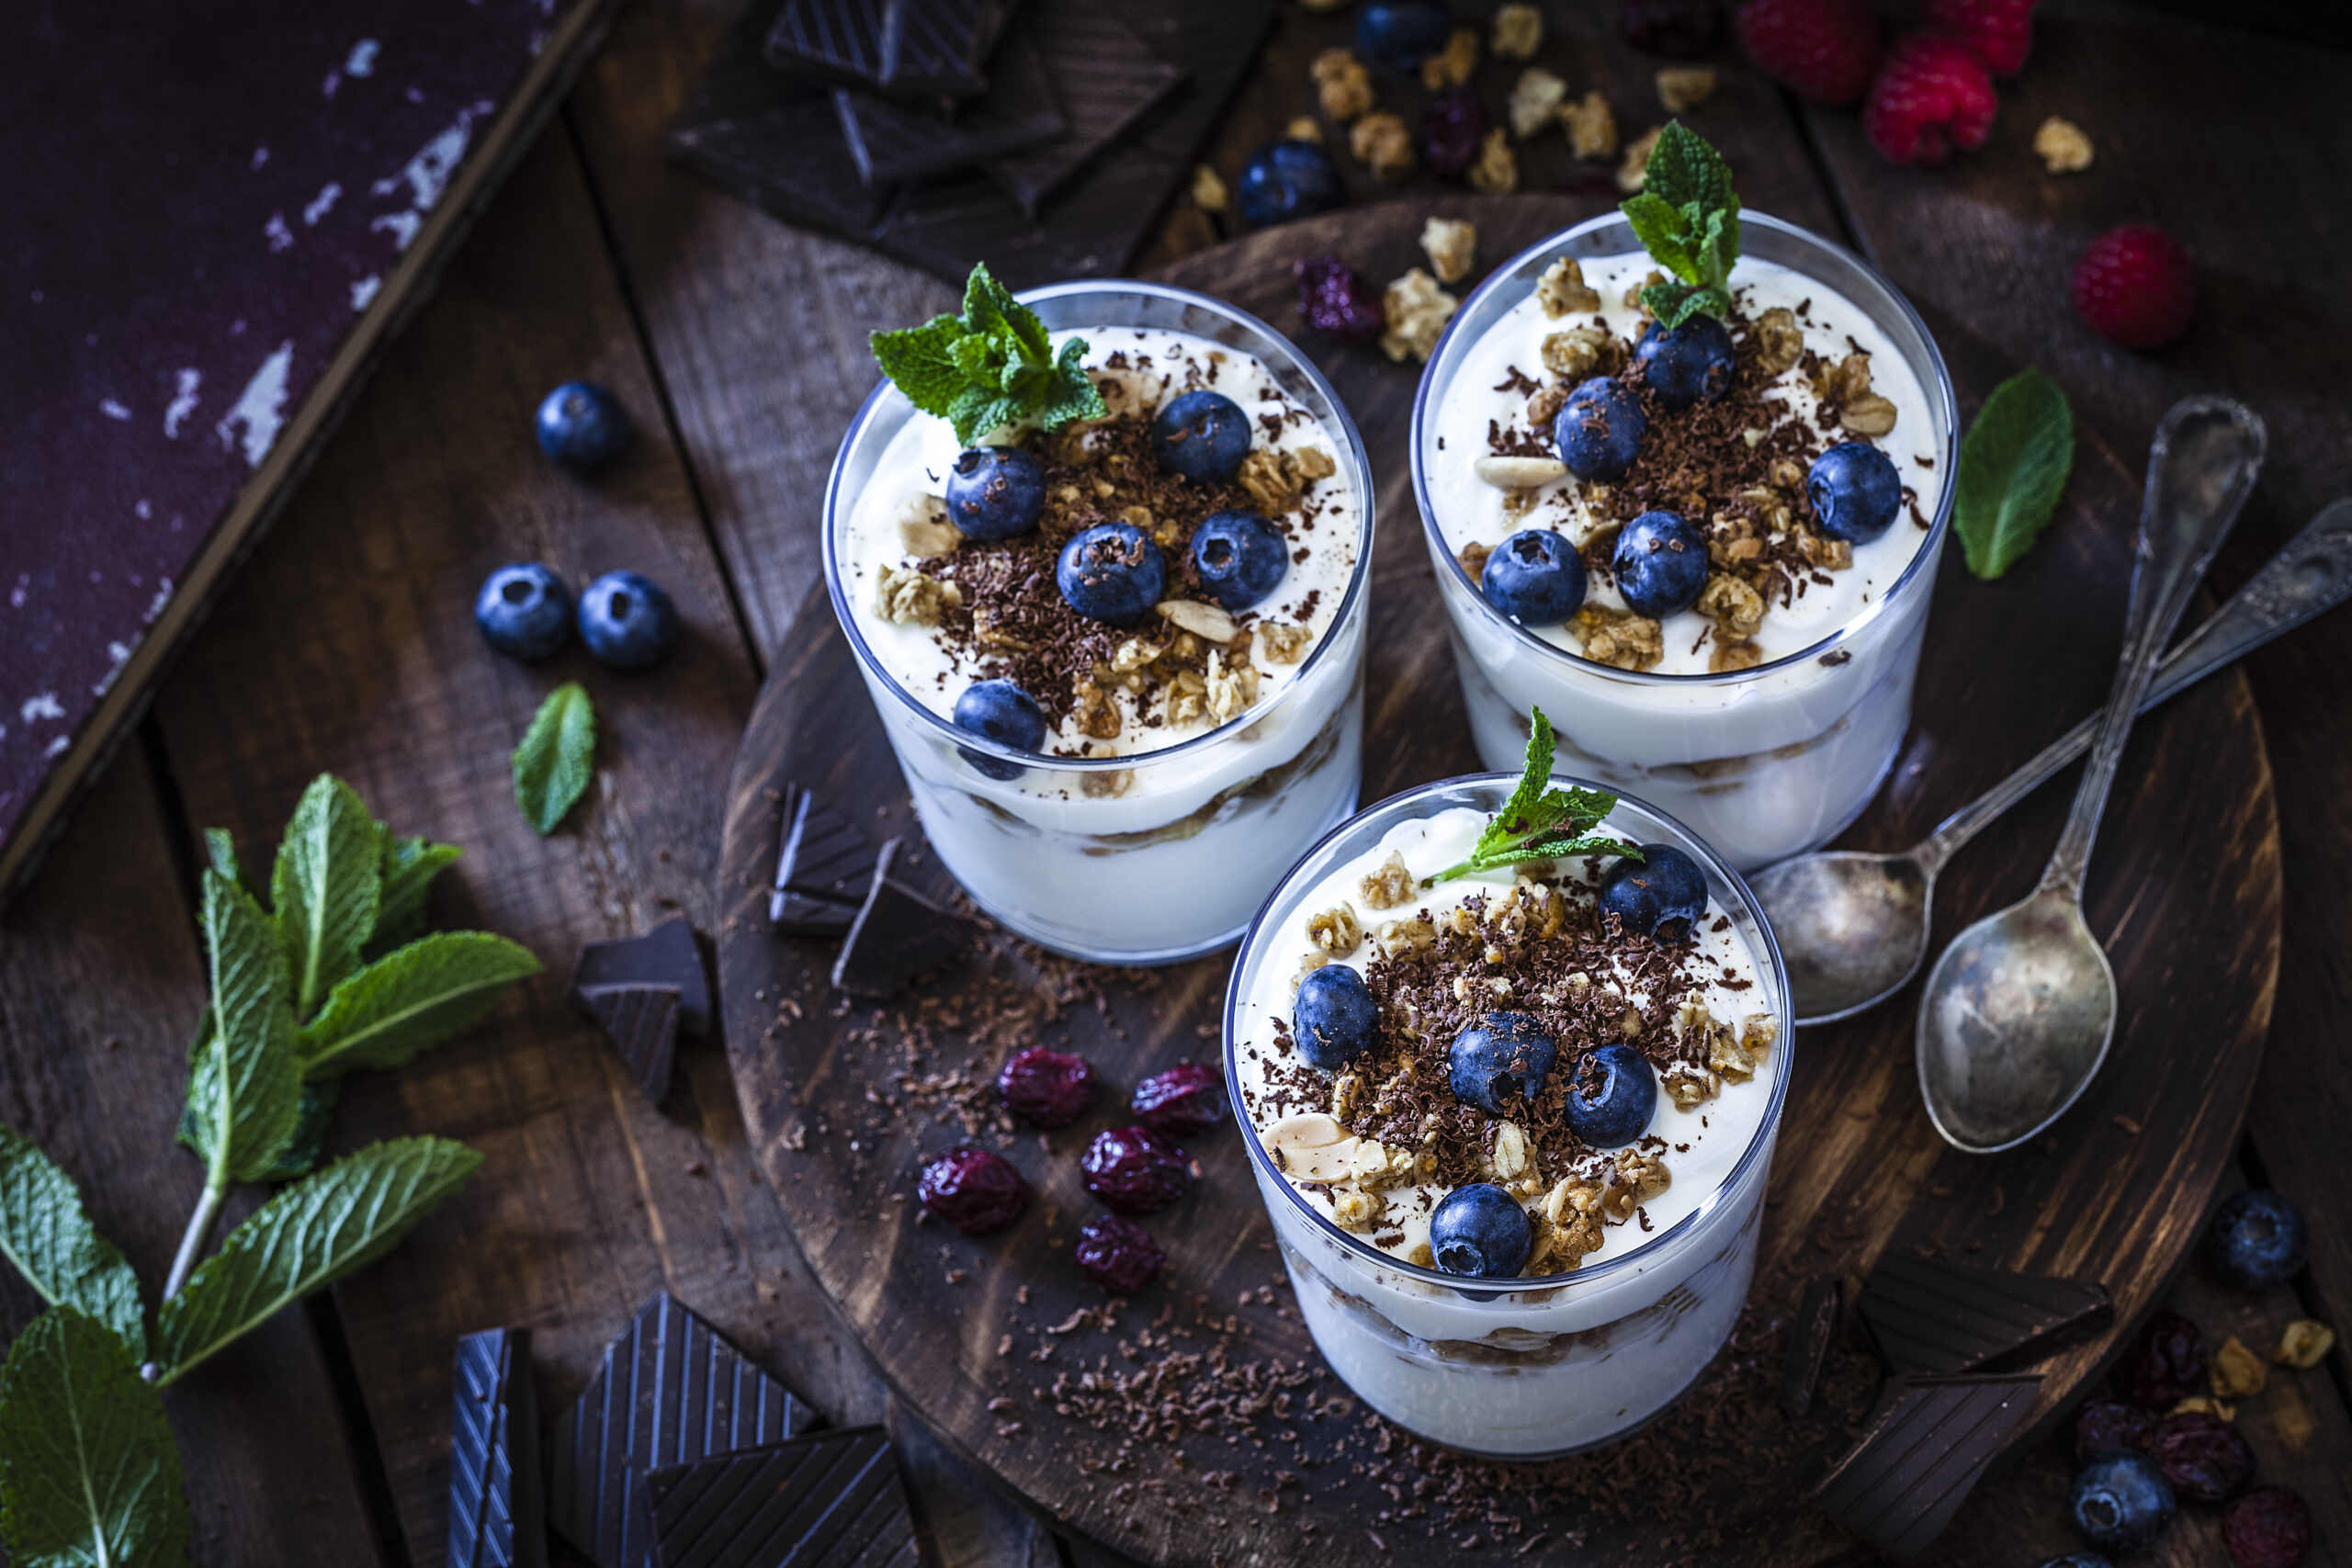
x: 641, y: 1022
x: 670, y: 1392
x: 898, y: 934
x: 891, y: 143
x: 829, y: 1500
x: 1917, y: 1462
x: 823, y: 871
x: 497, y: 1504
x: 1933, y: 1318
x: 1809, y: 1340
x: 907, y: 48
x: 1108, y: 80
x: 666, y: 955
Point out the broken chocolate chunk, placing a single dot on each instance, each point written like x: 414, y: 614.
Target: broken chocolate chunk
x: 892, y: 142
x: 830, y: 1500
x: 666, y: 955
x: 1809, y: 1338
x: 898, y: 935
x: 1900, y: 1484
x: 497, y: 1508
x: 903, y: 48
x: 823, y: 871
x: 670, y: 1392
x: 1933, y: 1318
x: 641, y: 1021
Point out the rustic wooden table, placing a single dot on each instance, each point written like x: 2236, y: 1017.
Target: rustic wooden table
x: 738, y: 344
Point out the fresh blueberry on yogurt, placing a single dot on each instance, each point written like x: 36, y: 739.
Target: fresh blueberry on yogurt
x: 1289, y: 180
x: 1501, y: 1062
x: 1686, y: 363
x: 1399, y: 34
x: 626, y: 620
x: 1660, y: 563
x: 1662, y: 894
x: 1598, y: 430
x: 1480, y: 1230
x: 1534, y: 577
x: 583, y: 426
x: 1006, y: 714
x: 1855, y: 492
x: 1335, y: 1019
x: 995, y: 492
x: 524, y: 611
x: 1240, y: 558
x: 1202, y: 436
x: 2258, y: 1239
x: 1613, y: 1113
x: 2120, y: 1502
x: 1113, y: 573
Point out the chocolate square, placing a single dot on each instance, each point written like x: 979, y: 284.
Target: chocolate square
x: 902, y: 47
x: 670, y: 1392
x: 497, y: 1505
x: 666, y: 955
x: 1937, y: 1319
x: 898, y: 934
x: 1809, y: 1340
x: 1900, y: 1484
x: 891, y: 143
x: 641, y: 1022
x: 1108, y: 80
x: 830, y: 1500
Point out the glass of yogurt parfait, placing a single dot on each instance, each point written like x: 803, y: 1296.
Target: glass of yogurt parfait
x: 1514, y: 1141
x: 1707, y: 551
x: 1118, y: 647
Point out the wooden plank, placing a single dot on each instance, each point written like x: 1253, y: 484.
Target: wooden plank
x: 100, y: 986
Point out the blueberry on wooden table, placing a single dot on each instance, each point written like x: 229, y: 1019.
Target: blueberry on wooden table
x: 1481, y: 1231
x: 2258, y: 1239
x: 2121, y: 1502
x: 524, y: 611
x: 1499, y: 1062
x: 995, y: 492
x: 1334, y: 1020
x: 1660, y: 563
x: 1006, y: 714
x: 1289, y: 180
x: 626, y: 620
x: 1398, y: 35
x: 1136, y: 1171
x: 1121, y: 1257
x: 1661, y: 896
x: 1687, y: 363
x: 1188, y: 1097
x: 1045, y: 1088
x: 1614, y: 1097
x: 1112, y: 572
x: 583, y: 426
x: 1598, y: 430
x: 976, y: 1190
x: 1855, y: 492
x: 1201, y: 436
x: 1240, y: 558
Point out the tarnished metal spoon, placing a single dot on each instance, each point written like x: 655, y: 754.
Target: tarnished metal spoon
x: 1853, y: 925
x: 2018, y: 1011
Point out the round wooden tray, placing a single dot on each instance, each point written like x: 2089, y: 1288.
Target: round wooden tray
x: 843, y: 1100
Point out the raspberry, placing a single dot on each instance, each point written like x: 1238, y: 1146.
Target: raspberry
x: 1451, y: 130
x: 2134, y: 287
x: 2166, y: 1364
x: 2202, y: 1456
x: 1337, y: 299
x: 2000, y: 31
x: 1046, y: 1088
x: 2270, y: 1527
x: 1187, y: 1098
x: 1679, y: 29
x: 1931, y: 96
x: 1826, y: 50
x: 2105, y: 1426
x: 1135, y: 1170
x: 973, y: 1190
x: 1122, y: 1257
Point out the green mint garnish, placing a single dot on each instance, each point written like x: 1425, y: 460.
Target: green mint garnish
x: 556, y: 757
x: 1538, y: 823
x: 1687, y: 217
x: 2013, y: 464
x: 993, y: 365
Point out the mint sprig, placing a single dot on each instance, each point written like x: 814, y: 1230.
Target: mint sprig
x: 2013, y: 466
x: 556, y: 757
x: 993, y: 365
x: 1540, y: 823
x: 1687, y: 217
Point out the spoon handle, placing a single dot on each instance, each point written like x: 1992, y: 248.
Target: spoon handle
x: 2200, y: 469
x: 2310, y: 574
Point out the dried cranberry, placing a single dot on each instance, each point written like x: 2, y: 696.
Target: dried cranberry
x: 1046, y: 1088
x: 1679, y: 29
x: 1338, y: 299
x: 2203, y: 1455
x: 1451, y: 130
x: 1135, y: 1170
x: 1122, y: 1257
x: 2109, y: 1426
x: 2166, y: 1364
x: 1187, y: 1098
x: 973, y: 1190
x: 2270, y: 1527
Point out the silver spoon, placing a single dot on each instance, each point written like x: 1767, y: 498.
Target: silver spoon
x: 2018, y: 1011
x: 1853, y: 925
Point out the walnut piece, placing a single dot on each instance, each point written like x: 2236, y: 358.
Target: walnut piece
x: 1209, y: 193
x: 1519, y: 32
x: 1378, y: 1168
x: 1302, y: 128
x: 1779, y: 342
x: 2200, y: 1406
x: 1682, y: 88
x: 1343, y: 85
x: 1868, y: 414
x: 1283, y: 643
x: 1734, y: 607
x: 1592, y: 127
x: 1453, y: 64
x: 1689, y: 1087
x: 1727, y: 657
x: 1410, y: 935
x: 1498, y: 166
x: 1232, y: 688
x: 2304, y: 1343
x: 1336, y: 930
x: 1452, y: 245
x: 1562, y: 289
x: 1843, y: 380
x: 1382, y: 144
x: 2237, y: 1373
x: 924, y: 530
x: 2062, y: 146
x: 1544, y: 404
x: 1829, y: 555
x: 1355, y: 1210
x: 1618, y: 637
x: 1572, y: 1208
x: 1389, y: 884
x: 1187, y: 702
x: 1635, y: 168
x: 1418, y: 311
x: 1307, y: 965
x: 1535, y: 98
x: 1579, y: 352
x: 1473, y: 557
x: 906, y: 597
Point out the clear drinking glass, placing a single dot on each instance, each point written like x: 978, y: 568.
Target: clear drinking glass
x: 1156, y: 856
x: 1562, y: 1362
x: 1764, y: 763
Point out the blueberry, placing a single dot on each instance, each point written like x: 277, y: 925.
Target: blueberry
x: 1006, y: 714
x: 1662, y: 894
x: 2258, y: 1239
x: 1335, y: 1019
x: 583, y: 426
x: 1400, y: 34
x: 524, y: 611
x: 626, y: 620
x: 1598, y: 430
x: 1202, y: 436
x: 1289, y: 180
x: 1240, y: 558
x: 1855, y: 492
x: 1534, y: 577
x: 995, y: 492
x: 1112, y: 572
x: 1499, y: 1062
x: 1693, y: 361
x: 1660, y: 562
x: 1619, y: 1111
x: 2120, y: 1502
x: 1480, y: 1230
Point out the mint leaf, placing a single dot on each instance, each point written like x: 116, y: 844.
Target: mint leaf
x: 921, y: 361
x: 410, y: 866
x: 993, y: 365
x: 90, y: 1474
x: 310, y: 1139
x: 244, y: 1081
x: 1687, y: 217
x: 1538, y: 823
x: 45, y: 1233
x: 1675, y: 303
x: 2013, y: 466
x: 220, y: 853
x: 1684, y: 169
x: 412, y: 998
x: 989, y: 307
x: 308, y: 1236
x: 326, y: 887
x: 1663, y: 232
x: 555, y: 759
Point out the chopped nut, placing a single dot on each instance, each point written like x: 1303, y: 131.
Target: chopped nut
x: 924, y: 530
x: 1420, y: 1256
x: 1336, y: 930
x: 1107, y: 783
x: 1452, y: 245
x: 1098, y: 714
x: 1389, y: 884
x: 1453, y: 64
x: 2062, y: 146
x: 1208, y: 190
x: 1343, y: 85
x: 1519, y: 32
x: 1544, y: 404
x: 1272, y: 485
x: 1682, y: 88
x: 1579, y: 352
x: 1633, y: 291
x: 1311, y: 1146
x: 2200, y: 1405
x: 1618, y: 637
x: 1843, y: 380
x: 1418, y: 311
x: 1202, y: 619
x: 1307, y: 965
x: 1135, y: 653
x: 1725, y: 658
x: 2237, y: 1373
x: 1355, y: 1210
x: 1757, y: 1032
x: 1187, y: 700
x: 1779, y: 343
x: 1411, y: 935
x: 1727, y: 1056
x: 1562, y: 289
x: 1631, y: 1024
x: 1591, y: 128
x: 1303, y: 128
x: 1535, y: 98
x: 1498, y: 166
x: 1635, y: 168
x: 1734, y: 607
x: 1508, y: 1158
x: 1830, y: 555
x: 1283, y: 643
x: 1868, y: 414
x: 1519, y: 473
x: 1377, y: 1167
x: 1644, y: 1172
x: 1473, y: 557
x: 906, y: 597
x: 1232, y: 688
x: 1382, y: 144
x: 2304, y: 1343
x: 1347, y: 1092
x: 1689, y: 1087
x: 1692, y: 1013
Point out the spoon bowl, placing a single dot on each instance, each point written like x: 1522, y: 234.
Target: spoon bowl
x: 1852, y: 926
